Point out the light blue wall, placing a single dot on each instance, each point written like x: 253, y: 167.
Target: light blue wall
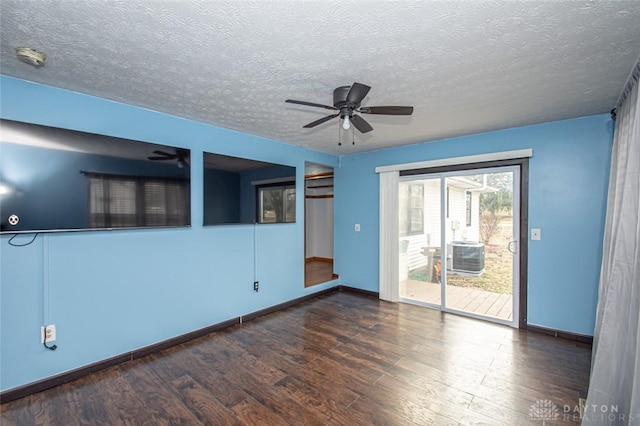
x: 112, y: 292
x: 109, y: 292
x: 568, y: 185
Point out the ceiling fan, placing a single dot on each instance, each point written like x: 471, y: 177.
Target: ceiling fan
x: 346, y: 100
x: 181, y: 154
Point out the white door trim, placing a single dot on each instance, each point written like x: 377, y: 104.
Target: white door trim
x: 389, y: 284
x: 453, y: 161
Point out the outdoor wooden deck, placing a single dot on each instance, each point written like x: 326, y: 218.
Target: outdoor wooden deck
x: 462, y: 298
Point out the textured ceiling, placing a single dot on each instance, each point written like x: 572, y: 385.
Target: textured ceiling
x: 466, y: 66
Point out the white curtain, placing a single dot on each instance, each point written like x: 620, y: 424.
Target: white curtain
x: 615, y: 371
x: 389, y: 278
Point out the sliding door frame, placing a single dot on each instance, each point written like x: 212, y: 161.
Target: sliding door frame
x: 523, y: 242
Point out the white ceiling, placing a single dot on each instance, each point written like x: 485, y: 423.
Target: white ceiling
x: 466, y: 66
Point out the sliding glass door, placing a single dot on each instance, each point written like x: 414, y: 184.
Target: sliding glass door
x: 420, y: 246
x: 458, y: 242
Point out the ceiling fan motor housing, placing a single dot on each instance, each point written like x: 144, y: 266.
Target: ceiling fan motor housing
x: 340, y: 96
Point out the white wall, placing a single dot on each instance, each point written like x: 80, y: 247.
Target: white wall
x: 319, y: 227
x: 458, y: 213
x: 319, y: 221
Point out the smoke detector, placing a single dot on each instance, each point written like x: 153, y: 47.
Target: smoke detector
x: 30, y: 56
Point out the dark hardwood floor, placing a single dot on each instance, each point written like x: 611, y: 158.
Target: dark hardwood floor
x: 317, y: 271
x: 339, y: 359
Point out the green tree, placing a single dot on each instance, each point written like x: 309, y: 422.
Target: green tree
x: 272, y: 202
x: 500, y: 201
x: 495, y: 205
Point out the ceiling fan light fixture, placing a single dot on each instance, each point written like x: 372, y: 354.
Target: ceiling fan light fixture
x: 30, y: 56
x: 347, y: 100
x: 345, y: 124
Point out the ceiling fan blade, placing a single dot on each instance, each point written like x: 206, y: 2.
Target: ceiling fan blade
x: 160, y: 158
x: 357, y: 93
x: 293, y: 101
x: 166, y: 154
x: 387, y: 110
x: 322, y: 120
x: 361, y: 124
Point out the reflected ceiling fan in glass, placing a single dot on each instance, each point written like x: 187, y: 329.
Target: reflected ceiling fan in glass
x: 181, y: 155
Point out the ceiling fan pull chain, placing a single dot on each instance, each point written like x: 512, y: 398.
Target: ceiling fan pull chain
x: 339, y: 135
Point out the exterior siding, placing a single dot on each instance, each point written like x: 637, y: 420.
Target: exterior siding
x: 431, y: 235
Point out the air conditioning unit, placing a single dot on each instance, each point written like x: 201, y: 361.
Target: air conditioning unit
x: 466, y: 257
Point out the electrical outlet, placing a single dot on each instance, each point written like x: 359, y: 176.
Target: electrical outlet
x: 256, y: 286
x: 50, y: 334
x: 536, y: 234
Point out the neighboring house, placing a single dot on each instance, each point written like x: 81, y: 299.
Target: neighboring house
x: 419, y: 221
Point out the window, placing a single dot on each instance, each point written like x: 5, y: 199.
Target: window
x: 468, y: 204
x: 277, y: 203
x: 132, y: 201
x: 411, y: 217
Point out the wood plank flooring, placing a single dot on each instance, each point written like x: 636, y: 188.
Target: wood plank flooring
x: 316, y: 272
x: 338, y: 359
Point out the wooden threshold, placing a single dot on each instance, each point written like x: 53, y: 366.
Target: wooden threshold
x: 318, y: 270
x: 318, y: 259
